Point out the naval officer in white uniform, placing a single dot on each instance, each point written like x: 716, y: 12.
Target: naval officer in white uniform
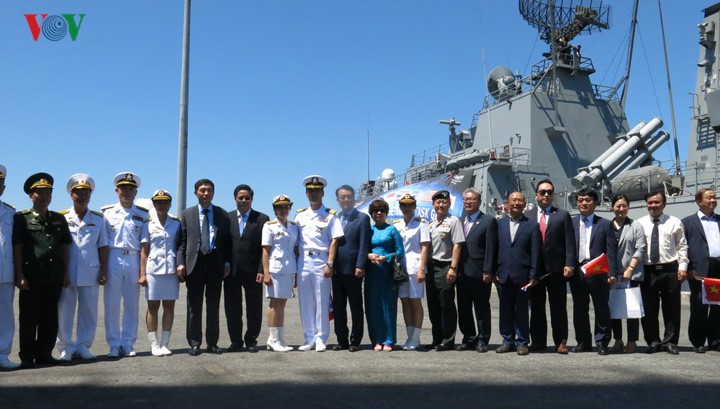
x: 158, y: 271
x: 319, y: 231
x: 87, y: 268
x: 126, y: 226
x: 7, y: 279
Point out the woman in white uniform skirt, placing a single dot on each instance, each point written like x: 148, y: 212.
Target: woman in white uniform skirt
x: 416, y: 239
x: 158, y: 271
x: 279, y: 262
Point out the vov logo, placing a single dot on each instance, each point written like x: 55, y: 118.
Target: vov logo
x: 54, y: 27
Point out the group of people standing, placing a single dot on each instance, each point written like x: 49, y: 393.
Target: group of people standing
x: 341, y: 258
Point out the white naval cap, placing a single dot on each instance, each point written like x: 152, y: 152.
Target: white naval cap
x: 127, y: 178
x: 161, y: 194
x: 314, y: 182
x: 3, y: 171
x: 80, y: 181
x: 281, y: 200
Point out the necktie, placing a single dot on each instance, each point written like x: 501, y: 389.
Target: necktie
x: 582, y: 240
x: 655, y: 242
x: 243, y: 219
x: 543, y: 225
x: 466, y: 225
x: 205, y: 233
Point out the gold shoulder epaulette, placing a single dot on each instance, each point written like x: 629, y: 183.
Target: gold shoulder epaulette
x: 110, y: 206
x: 301, y: 210
x: 66, y: 211
x: 293, y: 222
x: 97, y: 213
x: 420, y: 219
x: 24, y: 212
x: 271, y: 221
x: 142, y: 208
x: 397, y: 221
x: 175, y: 218
x: 331, y: 211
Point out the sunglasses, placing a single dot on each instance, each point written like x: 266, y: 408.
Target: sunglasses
x: 545, y: 192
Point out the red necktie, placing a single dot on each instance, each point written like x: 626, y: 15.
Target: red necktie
x: 543, y: 225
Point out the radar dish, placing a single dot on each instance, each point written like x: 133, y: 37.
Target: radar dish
x: 501, y: 83
x: 562, y: 20
x: 387, y: 174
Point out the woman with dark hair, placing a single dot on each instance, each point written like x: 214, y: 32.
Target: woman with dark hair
x: 630, y: 252
x: 381, y: 291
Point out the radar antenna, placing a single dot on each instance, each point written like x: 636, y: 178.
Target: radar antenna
x: 559, y: 24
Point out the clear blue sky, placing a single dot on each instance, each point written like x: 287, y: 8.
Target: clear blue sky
x: 281, y: 89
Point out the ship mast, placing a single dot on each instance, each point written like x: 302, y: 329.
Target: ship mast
x: 678, y: 169
x: 183, y: 137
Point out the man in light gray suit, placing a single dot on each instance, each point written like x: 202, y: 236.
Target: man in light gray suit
x: 203, y: 261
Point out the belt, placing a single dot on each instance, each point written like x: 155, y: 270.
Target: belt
x: 314, y: 252
x: 126, y: 252
x: 661, y: 268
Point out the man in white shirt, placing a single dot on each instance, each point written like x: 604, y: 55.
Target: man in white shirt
x: 665, y: 269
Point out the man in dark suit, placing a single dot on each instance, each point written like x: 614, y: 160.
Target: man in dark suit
x: 559, y: 262
x: 478, y: 257
x: 519, y: 266
x: 246, y: 235
x: 593, y: 237
x: 702, y: 232
x: 203, y: 261
x: 349, y: 270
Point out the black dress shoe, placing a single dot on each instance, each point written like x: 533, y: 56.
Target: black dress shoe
x: 213, y: 349
x: 252, y: 349
x: 481, y: 346
x: 47, y: 360
x: 444, y: 347
x: 700, y: 350
x: 194, y: 350
x: 430, y: 347
x: 340, y: 347
x: 27, y: 364
x: 537, y: 347
x: 671, y: 349
x: 653, y: 348
x: 603, y: 351
x: 581, y: 348
x: 234, y: 347
x: 464, y: 347
x: 353, y: 348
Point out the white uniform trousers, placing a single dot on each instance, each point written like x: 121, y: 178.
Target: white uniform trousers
x: 314, y: 297
x: 122, y: 285
x: 85, y: 300
x: 7, y: 318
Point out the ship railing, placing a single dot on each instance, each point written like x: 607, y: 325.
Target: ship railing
x: 428, y: 155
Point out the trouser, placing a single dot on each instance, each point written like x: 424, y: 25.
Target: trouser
x: 347, y: 288
x: 314, y: 297
x: 583, y: 288
x: 514, y: 319
x: 7, y: 318
x: 38, y: 320
x: 473, y: 295
x: 234, y: 287
x: 633, y: 324
x: 205, y: 282
x: 704, y: 321
x: 441, y: 303
x: 85, y: 299
x: 122, y: 286
x: 661, y: 286
x: 555, y: 286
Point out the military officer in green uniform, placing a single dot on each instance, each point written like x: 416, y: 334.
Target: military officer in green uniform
x: 41, y: 240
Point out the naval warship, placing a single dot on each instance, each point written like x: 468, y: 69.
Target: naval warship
x: 556, y: 123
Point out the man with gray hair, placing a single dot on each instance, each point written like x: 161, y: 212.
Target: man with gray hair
x: 478, y: 264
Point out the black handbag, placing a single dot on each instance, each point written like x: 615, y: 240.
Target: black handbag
x: 400, y: 275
